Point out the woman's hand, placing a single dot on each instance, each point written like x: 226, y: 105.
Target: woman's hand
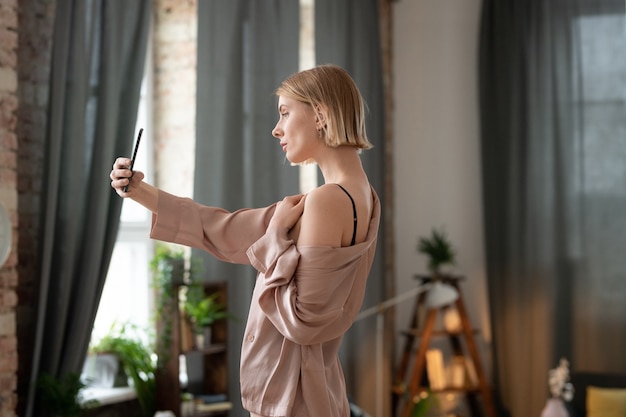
x: 121, y: 176
x: 288, y: 212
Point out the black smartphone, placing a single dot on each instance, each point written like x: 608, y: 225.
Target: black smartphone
x: 132, y: 160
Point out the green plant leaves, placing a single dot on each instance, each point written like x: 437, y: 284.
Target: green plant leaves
x: 438, y: 250
x: 61, y: 396
x: 137, y: 359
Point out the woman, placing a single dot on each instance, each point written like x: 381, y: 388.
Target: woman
x: 313, y: 252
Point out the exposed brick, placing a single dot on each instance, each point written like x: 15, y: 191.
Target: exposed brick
x: 8, y: 344
x: 7, y: 177
x: 169, y: 10
x: 8, y: 159
x: 8, y: 40
x: 7, y: 325
x: 8, y: 362
x: 8, y: 140
x: 8, y: 195
x: 8, y: 383
x: 8, y: 17
x: 8, y: 278
x: 8, y: 299
x: 8, y: 79
x: 11, y: 4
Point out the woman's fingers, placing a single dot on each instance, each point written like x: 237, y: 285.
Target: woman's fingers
x: 119, y: 184
x: 121, y: 163
x: 121, y: 176
x: 288, y: 211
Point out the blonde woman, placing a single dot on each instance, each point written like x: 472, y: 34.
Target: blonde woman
x: 313, y: 252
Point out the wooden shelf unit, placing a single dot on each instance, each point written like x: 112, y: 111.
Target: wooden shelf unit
x: 207, y: 367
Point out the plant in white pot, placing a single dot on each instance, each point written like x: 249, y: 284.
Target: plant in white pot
x: 439, y: 251
x: 138, y: 359
x: 203, y: 311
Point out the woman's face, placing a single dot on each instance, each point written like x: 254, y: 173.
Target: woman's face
x: 297, y: 130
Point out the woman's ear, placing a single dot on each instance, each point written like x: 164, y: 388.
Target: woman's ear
x: 320, y: 116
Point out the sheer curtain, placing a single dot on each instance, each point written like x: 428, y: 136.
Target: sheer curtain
x: 97, y: 66
x: 553, y: 107
x: 347, y: 34
x: 245, y: 49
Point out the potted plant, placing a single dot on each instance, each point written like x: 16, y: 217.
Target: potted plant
x: 137, y: 359
x: 438, y: 249
x: 440, y: 253
x: 203, y: 311
x: 62, y: 396
x: 423, y: 403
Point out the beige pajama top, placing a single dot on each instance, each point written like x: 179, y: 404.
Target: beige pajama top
x: 304, y: 300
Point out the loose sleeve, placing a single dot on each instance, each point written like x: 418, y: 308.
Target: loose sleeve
x: 311, y: 294
x: 226, y: 235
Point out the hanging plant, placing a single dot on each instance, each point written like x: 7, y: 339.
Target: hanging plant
x: 169, y: 274
x: 168, y: 267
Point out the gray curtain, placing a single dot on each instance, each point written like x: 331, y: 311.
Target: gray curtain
x: 553, y: 116
x: 347, y: 34
x: 245, y: 49
x: 99, y: 49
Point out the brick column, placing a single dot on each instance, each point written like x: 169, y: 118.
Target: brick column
x: 8, y: 197
x: 36, y: 19
x: 175, y: 94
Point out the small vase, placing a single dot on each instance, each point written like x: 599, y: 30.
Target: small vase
x: 199, y: 340
x: 554, y: 408
x: 203, y: 339
x: 207, y: 332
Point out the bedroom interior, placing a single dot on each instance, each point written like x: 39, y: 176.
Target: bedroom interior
x: 502, y: 123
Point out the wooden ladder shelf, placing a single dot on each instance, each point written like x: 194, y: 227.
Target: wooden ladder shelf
x: 407, y: 388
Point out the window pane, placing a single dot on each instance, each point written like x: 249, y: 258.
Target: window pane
x: 126, y: 294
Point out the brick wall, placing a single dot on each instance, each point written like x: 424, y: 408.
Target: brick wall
x: 8, y: 197
x: 35, y: 19
x: 175, y: 94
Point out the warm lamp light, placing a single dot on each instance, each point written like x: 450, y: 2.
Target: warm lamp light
x: 440, y: 295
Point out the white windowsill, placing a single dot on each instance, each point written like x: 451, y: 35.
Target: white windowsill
x: 106, y: 396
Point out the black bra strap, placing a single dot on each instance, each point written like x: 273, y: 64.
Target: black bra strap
x: 354, y: 211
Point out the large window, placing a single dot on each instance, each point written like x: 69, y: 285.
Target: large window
x: 603, y: 64
x: 127, y: 295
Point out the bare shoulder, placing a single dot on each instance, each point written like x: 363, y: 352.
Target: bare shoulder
x: 324, y: 196
x: 324, y: 218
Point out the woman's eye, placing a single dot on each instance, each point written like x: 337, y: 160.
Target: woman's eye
x: 283, y: 115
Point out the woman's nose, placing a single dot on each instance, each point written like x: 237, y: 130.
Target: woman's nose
x: 276, y: 132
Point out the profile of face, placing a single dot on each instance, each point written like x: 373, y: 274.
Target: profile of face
x: 322, y: 98
x: 297, y: 130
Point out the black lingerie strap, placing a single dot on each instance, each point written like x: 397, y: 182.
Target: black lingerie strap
x: 354, y: 210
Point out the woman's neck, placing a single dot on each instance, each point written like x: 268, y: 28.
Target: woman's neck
x: 340, y: 163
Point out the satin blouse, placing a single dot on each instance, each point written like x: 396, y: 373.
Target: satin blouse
x: 305, y: 299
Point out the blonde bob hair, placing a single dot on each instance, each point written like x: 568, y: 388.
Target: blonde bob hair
x: 330, y: 90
